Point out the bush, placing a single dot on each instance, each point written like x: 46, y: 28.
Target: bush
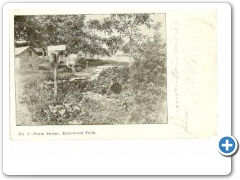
x: 149, y: 83
x: 40, y: 101
x: 100, y: 109
x: 35, y: 98
x: 76, y: 101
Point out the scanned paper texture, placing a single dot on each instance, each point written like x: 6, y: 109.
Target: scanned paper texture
x: 123, y: 75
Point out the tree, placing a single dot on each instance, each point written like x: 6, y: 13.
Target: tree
x: 62, y: 29
x: 51, y: 30
x: 28, y: 28
x: 46, y: 30
x: 148, y: 80
x: 127, y: 25
x: 114, y: 43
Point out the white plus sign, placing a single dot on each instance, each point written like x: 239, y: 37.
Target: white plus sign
x: 227, y: 145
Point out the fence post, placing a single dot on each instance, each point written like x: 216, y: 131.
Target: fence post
x: 56, y: 60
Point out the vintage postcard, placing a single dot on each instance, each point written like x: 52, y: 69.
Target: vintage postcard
x: 113, y: 74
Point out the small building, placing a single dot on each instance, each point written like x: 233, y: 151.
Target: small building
x: 26, y: 58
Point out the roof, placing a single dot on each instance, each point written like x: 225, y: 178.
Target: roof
x: 21, y: 42
x: 20, y: 50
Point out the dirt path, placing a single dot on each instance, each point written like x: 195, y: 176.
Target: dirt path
x: 23, y: 116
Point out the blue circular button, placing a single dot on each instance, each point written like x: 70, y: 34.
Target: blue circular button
x: 227, y: 145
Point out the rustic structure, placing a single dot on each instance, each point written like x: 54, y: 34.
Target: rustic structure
x: 26, y: 58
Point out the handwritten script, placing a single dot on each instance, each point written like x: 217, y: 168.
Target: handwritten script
x: 175, y: 70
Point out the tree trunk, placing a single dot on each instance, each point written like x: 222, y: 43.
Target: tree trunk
x: 130, y: 54
x: 56, y: 77
x: 87, y: 67
x: 131, y: 45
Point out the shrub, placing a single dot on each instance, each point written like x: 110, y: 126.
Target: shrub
x: 35, y: 98
x: 148, y: 81
x: 40, y: 101
x: 99, y: 109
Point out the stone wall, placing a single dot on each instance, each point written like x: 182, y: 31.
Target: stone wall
x: 109, y: 81
x: 109, y: 77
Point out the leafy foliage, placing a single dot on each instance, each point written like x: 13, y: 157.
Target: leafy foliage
x: 148, y: 80
x: 36, y: 99
x: 46, y: 30
x: 27, y: 28
x: 77, y: 101
x: 40, y: 101
x: 141, y: 86
x: 126, y: 25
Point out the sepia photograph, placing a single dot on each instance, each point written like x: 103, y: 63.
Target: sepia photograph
x: 88, y: 87
x: 90, y: 69
x: 112, y: 73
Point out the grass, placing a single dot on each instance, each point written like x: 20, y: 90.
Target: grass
x: 104, y: 110
x: 23, y: 77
